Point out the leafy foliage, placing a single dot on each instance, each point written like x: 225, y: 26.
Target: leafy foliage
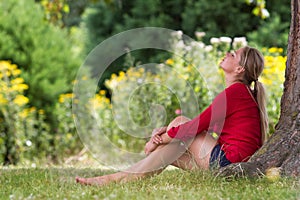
x: 43, y: 51
x: 105, y: 19
x: 261, y: 37
x: 23, y: 131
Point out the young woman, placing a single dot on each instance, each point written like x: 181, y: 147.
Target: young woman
x: 230, y: 130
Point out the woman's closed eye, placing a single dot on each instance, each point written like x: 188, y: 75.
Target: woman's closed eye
x: 232, y: 53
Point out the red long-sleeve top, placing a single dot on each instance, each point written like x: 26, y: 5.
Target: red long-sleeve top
x: 234, y: 115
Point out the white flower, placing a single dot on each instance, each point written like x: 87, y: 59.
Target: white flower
x: 28, y: 143
x: 208, y: 48
x: 180, y: 44
x: 239, y: 39
x: 265, y: 13
x: 214, y: 40
x: 199, y: 35
x: 225, y: 39
x: 177, y: 34
x: 239, y: 42
x: 188, y: 48
x: 195, y: 44
x: 200, y: 45
x: 140, y: 81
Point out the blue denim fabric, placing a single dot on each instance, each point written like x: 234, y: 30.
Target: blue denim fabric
x: 218, y: 158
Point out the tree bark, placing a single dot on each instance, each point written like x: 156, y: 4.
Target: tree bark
x: 282, y: 150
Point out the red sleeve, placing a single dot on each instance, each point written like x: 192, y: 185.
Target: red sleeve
x: 214, y: 115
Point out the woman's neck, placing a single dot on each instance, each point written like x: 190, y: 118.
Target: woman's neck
x: 231, y: 80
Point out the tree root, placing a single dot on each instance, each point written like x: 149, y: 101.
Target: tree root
x: 237, y: 170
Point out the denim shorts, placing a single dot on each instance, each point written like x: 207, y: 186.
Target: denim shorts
x: 218, y: 158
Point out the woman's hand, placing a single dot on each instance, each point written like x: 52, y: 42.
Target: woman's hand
x: 159, y: 131
x: 155, y: 139
x: 159, y: 136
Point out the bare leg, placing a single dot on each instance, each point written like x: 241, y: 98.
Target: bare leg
x: 154, y: 163
x: 197, y: 156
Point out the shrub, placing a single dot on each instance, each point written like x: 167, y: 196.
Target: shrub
x: 273, y: 78
x: 66, y: 140
x: 261, y: 37
x: 24, y: 135
x: 42, y: 50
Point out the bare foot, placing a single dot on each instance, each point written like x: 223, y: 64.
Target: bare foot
x: 99, y: 181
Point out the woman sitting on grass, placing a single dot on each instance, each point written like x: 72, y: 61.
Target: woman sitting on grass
x: 237, y: 118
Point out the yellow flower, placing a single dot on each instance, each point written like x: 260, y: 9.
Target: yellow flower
x: 121, y: 74
x: 12, y: 67
x: 3, y: 100
x: 113, y: 76
x: 102, y: 92
x: 141, y: 69
x: 21, y: 100
x: 61, y: 99
x: 17, y: 81
x: 106, y: 100
x: 170, y: 62
x: 4, y: 65
x: 32, y: 109
x: 41, y: 111
x: 69, y: 136
x: 69, y: 95
x: 19, y: 87
x: 64, y: 97
x: 16, y: 72
x: 272, y: 50
x: 7, y: 73
x: 24, y: 113
x: 74, y: 82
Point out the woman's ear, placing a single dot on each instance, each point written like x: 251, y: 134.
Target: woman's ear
x: 239, y: 69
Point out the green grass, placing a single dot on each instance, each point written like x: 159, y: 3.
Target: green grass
x: 59, y: 183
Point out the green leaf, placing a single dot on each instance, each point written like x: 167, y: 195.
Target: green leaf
x: 66, y: 8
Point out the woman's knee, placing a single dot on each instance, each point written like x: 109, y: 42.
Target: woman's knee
x: 177, y: 121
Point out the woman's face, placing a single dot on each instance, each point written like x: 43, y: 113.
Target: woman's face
x: 230, y: 62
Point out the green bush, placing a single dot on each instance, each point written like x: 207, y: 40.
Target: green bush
x: 43, y: 51
x: 23, y: 132
x: 278, y: 36
x: 216, y: 18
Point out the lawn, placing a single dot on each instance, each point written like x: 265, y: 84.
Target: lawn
x: 58, y: 183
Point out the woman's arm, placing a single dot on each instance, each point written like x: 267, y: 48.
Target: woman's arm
x: 157, y: 140
x: 153, y: 143
x: 159, y: 131
x: 163, y: 139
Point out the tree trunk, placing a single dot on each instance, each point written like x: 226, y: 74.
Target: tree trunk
x: 282, y: 150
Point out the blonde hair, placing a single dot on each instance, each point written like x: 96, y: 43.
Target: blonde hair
x: 253, y: 62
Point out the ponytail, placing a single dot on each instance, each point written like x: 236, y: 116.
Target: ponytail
x: 261, y: 101
x: 253, y: 62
